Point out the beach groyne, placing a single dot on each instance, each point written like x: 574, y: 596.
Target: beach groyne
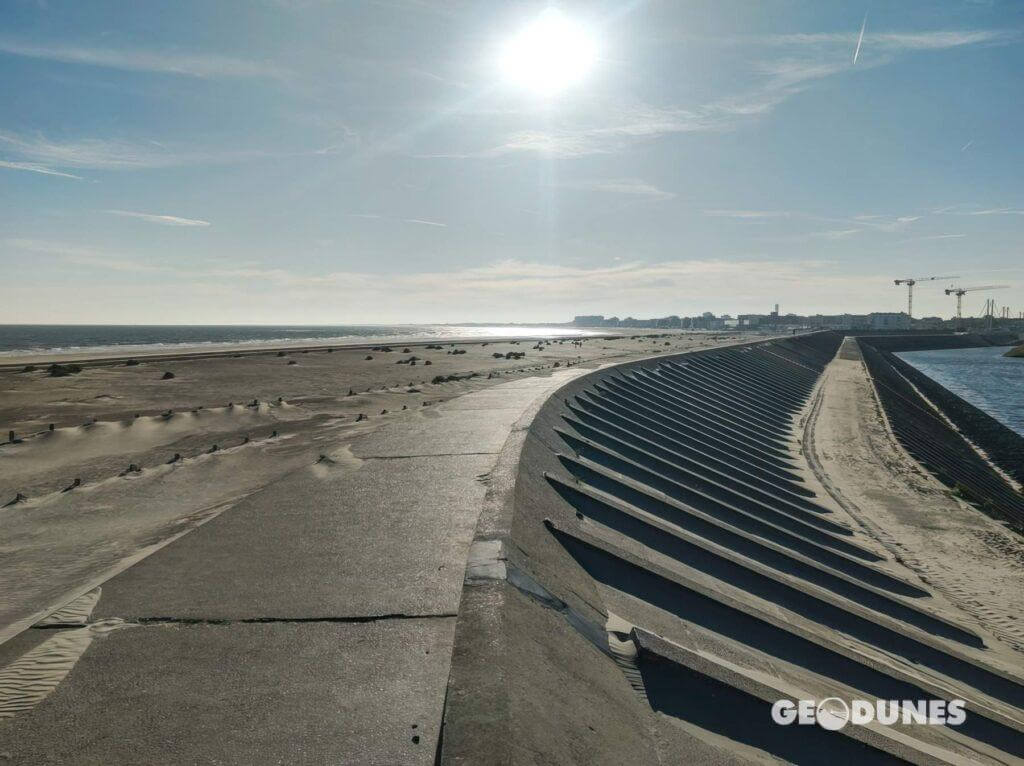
x: 654, y: 568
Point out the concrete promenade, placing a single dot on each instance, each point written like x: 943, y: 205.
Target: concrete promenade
x: 311, y: 623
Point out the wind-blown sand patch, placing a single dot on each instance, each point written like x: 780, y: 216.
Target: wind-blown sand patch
x: 36, y: 674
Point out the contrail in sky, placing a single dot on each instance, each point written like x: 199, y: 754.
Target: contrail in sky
x: 860, y: 38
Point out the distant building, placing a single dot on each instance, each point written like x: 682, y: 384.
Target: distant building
x: 708, y: 321
x: 888, y: 320
x: 752, y: 320
x: 840, y: 321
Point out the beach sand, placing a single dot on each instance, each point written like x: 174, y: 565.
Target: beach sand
x: 967, y: 559
x: 103, y: 488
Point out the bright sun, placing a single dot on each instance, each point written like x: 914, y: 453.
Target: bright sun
x: 548, y: 55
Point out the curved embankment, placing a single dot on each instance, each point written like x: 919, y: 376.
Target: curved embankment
x: 653, y: 569
x: 910, y: 399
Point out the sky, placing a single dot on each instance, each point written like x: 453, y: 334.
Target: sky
x: 335, y: 162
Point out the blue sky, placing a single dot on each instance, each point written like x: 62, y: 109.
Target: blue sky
x: 309, y: 161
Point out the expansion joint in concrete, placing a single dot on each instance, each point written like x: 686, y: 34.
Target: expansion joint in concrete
x: 428, y: 454
x: 267, y: 620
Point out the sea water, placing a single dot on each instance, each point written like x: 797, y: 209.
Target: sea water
x: 18, y: 340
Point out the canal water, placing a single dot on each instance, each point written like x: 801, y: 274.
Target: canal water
x: 983, y: 376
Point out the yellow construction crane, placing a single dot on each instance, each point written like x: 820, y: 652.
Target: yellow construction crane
x: 910, y: 282
x: 959, y: 293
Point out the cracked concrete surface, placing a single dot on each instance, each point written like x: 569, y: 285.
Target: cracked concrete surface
x: 311, y: 623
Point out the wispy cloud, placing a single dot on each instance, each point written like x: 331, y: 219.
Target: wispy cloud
x: 997, y: 211
x: 843, y: 226
x: 977, y: 210
x: 42, y: 154
x: 200, y: 65
x: 894, y: 42
x: 835, y: 233
x: 748, y: 214
x: 940, y: 40
x: 34, y: 167
x: 423, y: 222
x: 634, y: 187
x: 390, y: 219
x: 165, y: 220
x: 887, y: 223
x: 499, y: 285
x: 610, y: 129
x: 809, y: 58
x: 90, y: 153
x: 935, y: 236
x: 616, y: 128
x: 501, y: 290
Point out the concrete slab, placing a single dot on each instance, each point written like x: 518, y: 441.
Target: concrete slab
x: 452, y: 432
x: 313, y: 622
x: 337, y: 540
x: 472, y: 424
x: 284, y: 693
x: 504, y: 397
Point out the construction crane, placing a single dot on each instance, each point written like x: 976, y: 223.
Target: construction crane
x: 910, y: 282
x: 959, y: 293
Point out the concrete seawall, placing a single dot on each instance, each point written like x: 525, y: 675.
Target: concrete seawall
x: 927, y: 342
x: 625, y: 565
x: 657, y: 565
x: 930, y: 421
x: 1004, y: 446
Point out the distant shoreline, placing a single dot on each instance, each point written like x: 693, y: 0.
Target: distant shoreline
x: 113, y: 355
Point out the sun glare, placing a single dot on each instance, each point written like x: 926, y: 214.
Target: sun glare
x: 548, y: 55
